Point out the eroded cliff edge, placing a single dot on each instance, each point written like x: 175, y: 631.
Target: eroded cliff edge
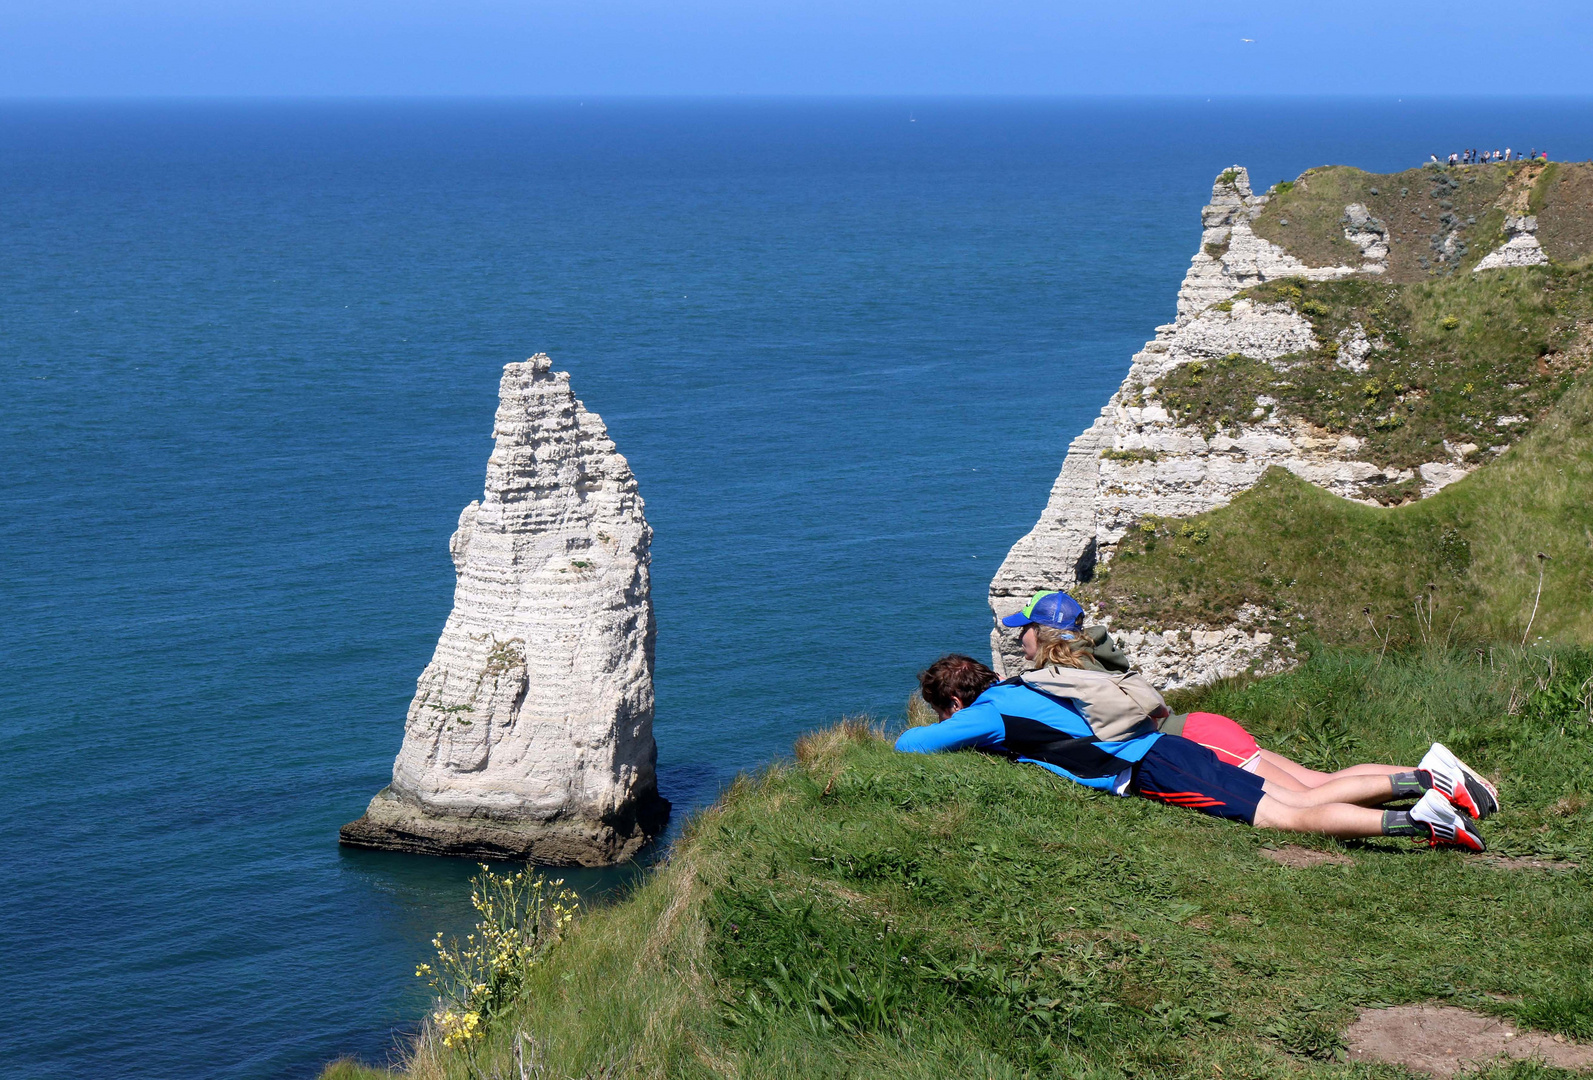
x: 530, y: 735
x: 1379, y: 337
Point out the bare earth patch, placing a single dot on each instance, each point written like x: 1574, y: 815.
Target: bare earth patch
x: 1298, y: 858
x: 1442, y: 1040
x: 1526, y: 862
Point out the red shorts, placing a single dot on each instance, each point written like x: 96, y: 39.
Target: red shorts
x: 1231, y: 743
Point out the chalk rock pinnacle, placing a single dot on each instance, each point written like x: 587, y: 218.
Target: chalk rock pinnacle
x: 531, y: 731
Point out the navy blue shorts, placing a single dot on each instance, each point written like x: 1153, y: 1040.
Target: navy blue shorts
x: 1184, y: 773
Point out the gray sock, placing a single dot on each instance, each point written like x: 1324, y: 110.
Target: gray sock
x: 1400, y: 823
x: 1411, y: 785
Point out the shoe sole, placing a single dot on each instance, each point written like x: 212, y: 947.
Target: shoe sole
x: 1462, y: 838
x: 1473, y: 774
x: 1484, y: 802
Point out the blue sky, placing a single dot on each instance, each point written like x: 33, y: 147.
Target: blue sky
x: 623, y: 47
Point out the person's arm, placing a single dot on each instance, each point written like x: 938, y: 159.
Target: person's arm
x: 980, y: 724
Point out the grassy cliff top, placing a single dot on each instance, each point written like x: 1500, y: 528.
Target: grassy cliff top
x: 1314, y: 562
x: 1474, y: 360
x: 864, y: 913
x: 1420, y: 207
x: 1427, y: 363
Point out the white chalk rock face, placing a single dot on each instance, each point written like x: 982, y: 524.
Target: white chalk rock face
x: 531, y: 732
x: 1521, y: 247
x: 1135, y: 461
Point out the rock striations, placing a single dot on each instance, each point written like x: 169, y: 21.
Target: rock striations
x: 1136, y: 461
x: 531, y: 731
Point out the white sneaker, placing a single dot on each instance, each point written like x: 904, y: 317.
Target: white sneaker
x: 1447, y: 827
x: 1459, y: 782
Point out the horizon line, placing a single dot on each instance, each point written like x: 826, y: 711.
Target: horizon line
x: 1195, y: 97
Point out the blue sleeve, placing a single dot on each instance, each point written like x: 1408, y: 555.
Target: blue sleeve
x: 980, y: 724
x: 1114, y: 784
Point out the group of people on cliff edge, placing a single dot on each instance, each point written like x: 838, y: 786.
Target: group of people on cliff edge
x: 1081, y: 711
x: 1484, y: 157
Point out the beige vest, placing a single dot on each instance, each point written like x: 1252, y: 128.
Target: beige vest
x: 1117, y: 704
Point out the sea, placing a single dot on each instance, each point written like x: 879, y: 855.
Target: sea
x: 249, y: 357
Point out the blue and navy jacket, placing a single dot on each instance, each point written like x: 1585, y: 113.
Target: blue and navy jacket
x: 1024, y: 724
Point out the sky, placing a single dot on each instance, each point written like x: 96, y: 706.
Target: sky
x: 96, y: 48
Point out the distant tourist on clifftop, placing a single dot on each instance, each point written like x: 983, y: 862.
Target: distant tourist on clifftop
x: 1485, y: 157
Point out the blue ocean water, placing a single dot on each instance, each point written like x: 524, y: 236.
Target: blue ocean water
x: 249, y: 355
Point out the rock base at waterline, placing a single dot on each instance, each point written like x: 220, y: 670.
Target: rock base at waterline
x: 391, y: 824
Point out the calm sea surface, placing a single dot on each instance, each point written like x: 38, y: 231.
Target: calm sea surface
x: 249, y: 357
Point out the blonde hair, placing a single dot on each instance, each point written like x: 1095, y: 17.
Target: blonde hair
x: 1059, y: 648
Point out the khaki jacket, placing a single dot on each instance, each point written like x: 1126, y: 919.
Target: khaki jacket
x: 1117, y: 704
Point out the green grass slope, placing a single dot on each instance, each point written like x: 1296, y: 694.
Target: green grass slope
x: 1472, y: 361
x: 1490, y: 369
x: 1420, y: 208
x: 863, y: 913
x: 1460, y: 565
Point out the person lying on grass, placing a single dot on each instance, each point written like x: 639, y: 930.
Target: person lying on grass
x: 1067, y: 659
x: 979, y: 712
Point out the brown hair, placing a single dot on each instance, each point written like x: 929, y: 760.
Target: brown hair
x: 954, y: 676
x: 1059, y: 648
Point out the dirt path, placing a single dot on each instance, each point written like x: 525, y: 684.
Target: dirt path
x: 1442, y: 1040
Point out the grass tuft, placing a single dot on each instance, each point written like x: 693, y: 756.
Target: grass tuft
x: 826, y: 743
x: 349, y: 1069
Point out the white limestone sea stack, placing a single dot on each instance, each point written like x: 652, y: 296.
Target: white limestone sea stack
x: 531, y: 732
x: 1136, y: 461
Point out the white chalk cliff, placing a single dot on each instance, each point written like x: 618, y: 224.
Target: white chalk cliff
x: 1136, y: 461
x: 531, y: 731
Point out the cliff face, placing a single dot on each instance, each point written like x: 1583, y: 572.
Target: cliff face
x: 1237, y: 384
x: 1136, y: 460
x: 531, y: 731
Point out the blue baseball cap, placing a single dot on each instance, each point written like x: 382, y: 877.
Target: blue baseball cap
x: 1056, y: 609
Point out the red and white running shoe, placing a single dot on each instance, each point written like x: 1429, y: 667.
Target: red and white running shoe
x: 1447, y: 827
x: 1459, y: 783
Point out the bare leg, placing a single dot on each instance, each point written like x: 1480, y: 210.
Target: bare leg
x: 1274, y: 766
x: 1357, y: 790
x: 1330, y: 819
x: 1373, y: 770
x: 1280, y: 771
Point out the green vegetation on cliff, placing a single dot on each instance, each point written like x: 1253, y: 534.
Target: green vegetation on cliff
x: 1427, y: 363
x: 1438, y: 221
x: 859, y: 912
x: 1465, y: 560
x: 1472, y: 360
